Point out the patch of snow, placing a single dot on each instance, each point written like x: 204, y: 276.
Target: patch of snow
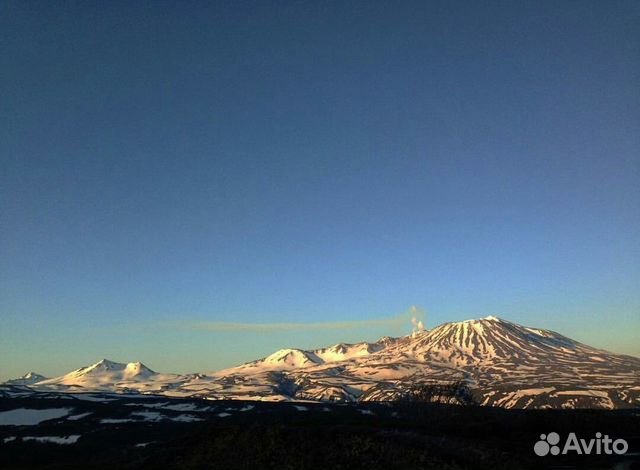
x: 30, y: 417
x: 149, y: 405
x: 116, y: 420
x: 185, y: 418
x: 148, y: 415
x: 77, y: 417
x: 185, y: 407
x: 72, y: 439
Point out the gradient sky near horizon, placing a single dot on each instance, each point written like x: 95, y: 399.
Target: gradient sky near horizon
x: 167, y: 166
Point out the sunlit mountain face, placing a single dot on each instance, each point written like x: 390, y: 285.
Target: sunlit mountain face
x: 503, y: 364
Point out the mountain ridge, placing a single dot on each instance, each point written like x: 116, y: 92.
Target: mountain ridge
x: 503, y: 363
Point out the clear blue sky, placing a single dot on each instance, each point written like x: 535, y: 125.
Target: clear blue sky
x: 167, y: 164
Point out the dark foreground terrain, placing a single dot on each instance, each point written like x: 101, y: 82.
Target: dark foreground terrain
x: 155, y: 432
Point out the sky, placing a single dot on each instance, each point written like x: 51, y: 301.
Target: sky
x: 170, y: 167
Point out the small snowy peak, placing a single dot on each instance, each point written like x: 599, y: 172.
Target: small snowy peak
x: 137, y: 369
x: 489, y: 318
x: 386, y: 341
x: 27, y: 379
x: 103, y: 374
x: 104, y: 365
x: 32, y: 376
x: 343, y: 351
x: 292, y: 358
x: 492, y: 318
x: 131, y: 369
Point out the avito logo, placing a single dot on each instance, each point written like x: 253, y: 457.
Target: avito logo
x: 550, y: 444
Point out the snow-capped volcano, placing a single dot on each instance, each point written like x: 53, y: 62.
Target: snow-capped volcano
x: 489, y: 339
x: 503, y: 363
x: 106, y: 367
x: 104, y: 372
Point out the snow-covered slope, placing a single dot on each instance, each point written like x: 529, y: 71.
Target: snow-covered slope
x: 503, y: 363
